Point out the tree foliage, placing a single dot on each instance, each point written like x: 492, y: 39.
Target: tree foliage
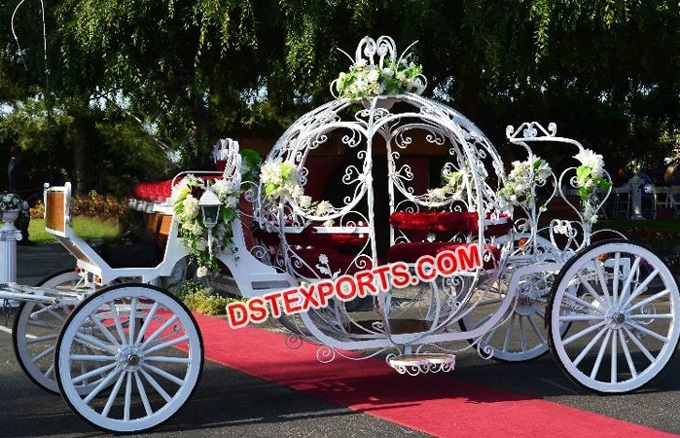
x: 172, y: 75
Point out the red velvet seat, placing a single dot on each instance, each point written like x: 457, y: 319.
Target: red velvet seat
x: 446, y: 221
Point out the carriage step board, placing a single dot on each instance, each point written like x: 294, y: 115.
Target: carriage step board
x: 414, y: 364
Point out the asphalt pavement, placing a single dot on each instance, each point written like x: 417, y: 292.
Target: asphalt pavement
x: 231, y: 403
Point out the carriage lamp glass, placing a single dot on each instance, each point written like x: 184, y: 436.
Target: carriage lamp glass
x: 210, y: 207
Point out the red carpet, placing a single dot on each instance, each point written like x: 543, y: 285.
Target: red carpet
x: 441, y: 406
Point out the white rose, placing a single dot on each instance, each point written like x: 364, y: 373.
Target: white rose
x: 305, y: 201
x: 323, y: 207
x: 373, y: 76
x: 202, y: 271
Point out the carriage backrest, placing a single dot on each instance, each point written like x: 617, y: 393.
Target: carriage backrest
x: 57, y: 201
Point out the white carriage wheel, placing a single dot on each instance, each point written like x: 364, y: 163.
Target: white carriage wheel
x: 523, y: 336
x: 148, y: 354
x: 36, y: 329
x: 623, y: 305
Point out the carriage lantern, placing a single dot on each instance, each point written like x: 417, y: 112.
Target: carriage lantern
x: 210, y: 207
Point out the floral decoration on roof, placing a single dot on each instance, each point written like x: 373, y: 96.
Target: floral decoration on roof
x: 376, y: 71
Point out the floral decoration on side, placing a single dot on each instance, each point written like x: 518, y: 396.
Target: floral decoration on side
x: 590, y: 176
x: 194, y: 233
x: 454, y: 187
x: 520, y: 184
x: 11, y: 201
x: 282, y: 180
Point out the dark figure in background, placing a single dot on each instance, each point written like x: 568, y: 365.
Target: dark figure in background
x: 17, y: 184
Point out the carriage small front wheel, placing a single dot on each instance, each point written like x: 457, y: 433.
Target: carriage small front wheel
x: 623, y: 307
x: 146, y: 354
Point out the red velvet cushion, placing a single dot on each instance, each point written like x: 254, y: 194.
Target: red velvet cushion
x: 445, y: 221
x: 336, y: 260
x: 309, y: 238
x: 411, y: 252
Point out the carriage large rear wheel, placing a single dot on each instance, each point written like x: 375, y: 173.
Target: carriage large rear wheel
x: 146, y: 355
x: 623, y: 307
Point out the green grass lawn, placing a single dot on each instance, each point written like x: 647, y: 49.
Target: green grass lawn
x: 88, y: 228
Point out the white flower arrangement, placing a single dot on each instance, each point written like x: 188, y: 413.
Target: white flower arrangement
x: 281, y: 180
x: 376, y: 71
x: 185, y: 200
x: 367, y: 80
x: 519, y: 186
x: 11, y: 201
x: 590, y: 176
x: 453, y: 187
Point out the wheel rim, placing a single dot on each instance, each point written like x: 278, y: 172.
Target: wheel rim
x: 622, y: 303
x: 35, y: 332
x: 522, y: 336
x: 148, y: 356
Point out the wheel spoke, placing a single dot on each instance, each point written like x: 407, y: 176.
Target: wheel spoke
x: 94, y: 372
x: 590, y: 346
x: 169, y: 359
x: 538, y: 332
x: 41, y: 339
x: 103, y: 384
x: 583, y: 332
x: 42, y: 324
x: 522, y: 335
x: 626, y: 352
x: 44, y: 353
x: 158, y: 331
x: 648, y: 300
x: 94, y: 342
x: 600, y: 276
x: 583, y: 303
x: 117, y: 322
x: 104, y: 330
x: 166, y: 344
x: 589, y: 288
x: 92, y: 357
x: 113, y: 395
x: 49, y: 372
x: 639, y: 345
x: 128, y: 398
x: 615, y: 285
x: 600, y: 354
x: 651, y: 316
x: 508, y: 333
x: 626, y: 285
x: 156, y: 385
x: 142, y: 395
x: 147, y: 322
x: 54, y: 314
x: 132, y: 320
x: 163, y: 373
x: 614, y: 359
x: 646, y: 331
x: 641, y: 287
x: 581, y: 317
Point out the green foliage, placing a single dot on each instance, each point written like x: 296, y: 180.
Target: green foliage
x: 146, y: 78
x: 197, y: 299
x: 87, y: 228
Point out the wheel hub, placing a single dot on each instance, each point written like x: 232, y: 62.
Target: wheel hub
x: 616, y: 318
x: 131, y: 359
